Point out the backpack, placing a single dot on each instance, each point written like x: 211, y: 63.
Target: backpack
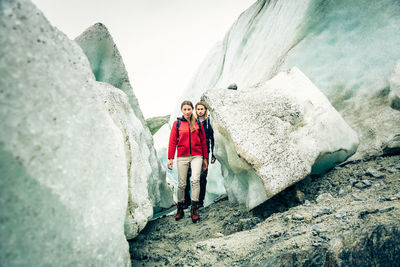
x: 178, y: 124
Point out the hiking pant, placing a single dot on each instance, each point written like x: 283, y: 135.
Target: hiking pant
x: 203, y: 185
x: 196, y: 164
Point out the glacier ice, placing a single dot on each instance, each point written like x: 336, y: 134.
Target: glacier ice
x: 274, y: 134
x: 107, y: 66
x: 106, y: 61
x: 348, y: 49
x: 161, y: 138
x: 140, y: 208
x: 63, y: 184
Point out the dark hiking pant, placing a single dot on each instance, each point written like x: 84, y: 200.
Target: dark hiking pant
x: 203, y: 184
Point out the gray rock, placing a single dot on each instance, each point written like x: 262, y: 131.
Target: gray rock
x: 362, y: 185
x: 374, y: 173
x: 232, y: 86
x: 324, y: 197
x: 357, y: 197
x: 366, y: 182
x: 340, y: 214
x: 392, y: 147
x: 318, y: 229
x: 297, y: 217
x: 323, y: 211
x: 155, y: 123
x: 386, y: 209
x: 364, y: 213
x: 276, y: 234
x: 300, y: 197
x: 307, y: 203
x: 385, y: 198
x: 391, y: 170
x: 354, y: 181
x: 342, y: 192
x: 297, y: 233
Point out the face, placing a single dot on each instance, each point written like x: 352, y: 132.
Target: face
x: 187, y: 111
x: 200, y: 110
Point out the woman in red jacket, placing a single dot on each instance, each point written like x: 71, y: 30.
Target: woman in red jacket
x: 188, y: 137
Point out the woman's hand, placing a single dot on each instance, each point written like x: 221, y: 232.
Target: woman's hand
x: 205, y: 164
x: 170, y: 164
x: 212, y: 159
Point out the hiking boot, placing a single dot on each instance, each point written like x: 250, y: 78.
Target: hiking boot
x: 194, y: 214
x: 179, y: 212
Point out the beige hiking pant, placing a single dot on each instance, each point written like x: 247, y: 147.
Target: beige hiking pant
x: 196, y: 163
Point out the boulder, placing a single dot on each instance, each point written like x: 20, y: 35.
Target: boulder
x: 273, y: 135
x: 63, y: 183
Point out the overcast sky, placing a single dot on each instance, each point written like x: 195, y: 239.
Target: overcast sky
x: 162, y: 42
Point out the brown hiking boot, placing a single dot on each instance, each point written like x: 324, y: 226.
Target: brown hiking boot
x: 194, y: 214
x: 179, y: 212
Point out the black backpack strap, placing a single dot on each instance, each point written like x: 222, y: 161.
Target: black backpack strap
x: 178, y: 124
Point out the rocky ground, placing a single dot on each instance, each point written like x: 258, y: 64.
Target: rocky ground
x: 349, y: 216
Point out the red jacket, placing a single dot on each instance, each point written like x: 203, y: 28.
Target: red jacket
x: 190, y: 143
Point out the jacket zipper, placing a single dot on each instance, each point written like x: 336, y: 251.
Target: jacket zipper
x: 190, y: 145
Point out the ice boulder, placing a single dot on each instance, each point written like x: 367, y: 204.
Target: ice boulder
x: 106, y: 61
x: 107, y: 66
x: 63, y: 171
x: 337, y: 44
x: 139, y: 168
x: 274, y: 134
x: 394, y: 81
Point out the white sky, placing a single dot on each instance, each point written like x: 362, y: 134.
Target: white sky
x: 162, y: 42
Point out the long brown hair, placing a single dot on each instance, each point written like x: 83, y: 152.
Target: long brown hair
x: 205, y: 107
x: 192, y: 119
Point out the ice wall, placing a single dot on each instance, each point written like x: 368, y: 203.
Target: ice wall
x: 107, y: 65
x: 347, y: 48
x: 63, y: 172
